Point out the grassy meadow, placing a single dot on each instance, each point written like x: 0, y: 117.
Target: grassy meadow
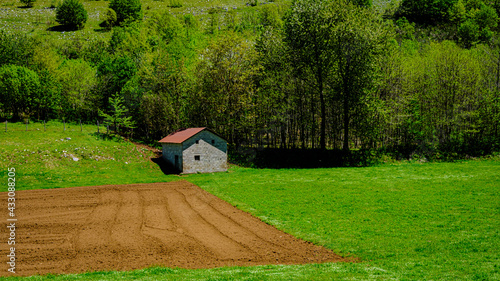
x: 47, y: 159
x: 404, y: 221
x: 40, y: 20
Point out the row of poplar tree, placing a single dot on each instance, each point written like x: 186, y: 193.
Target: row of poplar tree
x: 312, y: 74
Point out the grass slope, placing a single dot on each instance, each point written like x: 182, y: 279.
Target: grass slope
x: 431, y: 221
x: 41, y: 18
x: 46, y: 159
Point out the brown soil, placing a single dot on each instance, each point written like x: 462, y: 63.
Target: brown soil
x: 128, y: 227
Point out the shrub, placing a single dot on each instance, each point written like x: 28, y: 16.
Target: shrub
x: 253, y: 3
x: 468, y: 33
x: 109, y: 20
x: 126, y: 10
x: 486, y: 17
x: 269, y: 16
x: 175, y: 4
x: 426, y: 11
x: 72, y: 14
x: 54, y: 4
x: 28, y: 3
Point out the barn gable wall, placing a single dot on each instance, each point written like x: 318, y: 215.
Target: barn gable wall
x: 212, y: 157
x: 169, y: 151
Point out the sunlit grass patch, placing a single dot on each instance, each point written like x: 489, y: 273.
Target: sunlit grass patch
x: 78, y: 156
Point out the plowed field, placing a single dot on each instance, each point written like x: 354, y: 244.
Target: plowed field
x: 128, y: 227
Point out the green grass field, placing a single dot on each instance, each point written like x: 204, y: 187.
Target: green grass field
x: 46, y: 159
x: 404, y: 221
x: 39, y: 19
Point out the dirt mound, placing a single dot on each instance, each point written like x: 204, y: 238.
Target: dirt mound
x: 128, y: 227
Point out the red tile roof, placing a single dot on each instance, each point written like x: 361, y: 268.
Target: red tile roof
x: 181, y: 135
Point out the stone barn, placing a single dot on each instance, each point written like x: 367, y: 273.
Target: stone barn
x: 195, y: 150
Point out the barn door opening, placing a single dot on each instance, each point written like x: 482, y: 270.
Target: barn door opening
x: 177, y: 162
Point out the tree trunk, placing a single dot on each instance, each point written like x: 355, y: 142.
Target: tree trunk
x: 346, y: 123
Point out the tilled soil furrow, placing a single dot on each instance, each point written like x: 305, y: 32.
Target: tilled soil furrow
x: 81, y: 229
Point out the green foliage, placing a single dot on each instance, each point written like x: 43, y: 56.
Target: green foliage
x: 426, y: 11
x: 335, y: 43
x: 405, y: 29
x: 175, y: 4
x: 190, y: 24
x: 486, y: 17
x: 253, y: 3
x: 71, y: 13
x: 50, y: 100
x: 224, y: 90
x: 16, y: 49
x: 119, y: 116
x: 165, y: 25
x: 458, y: 12
x: 468, y: 33
x: 190, y: 21
x: 113, y: 74
x: 54, y: 4
x: 269, y: 16
x: 109, y: 19
x: 28, y: 3
x: 77, y: 79
x: 19, y: 90
x: 363, y: 3
x: 126, y: 10
x: 130, y: 41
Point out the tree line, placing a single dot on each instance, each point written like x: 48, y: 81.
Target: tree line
x: 311, y: 75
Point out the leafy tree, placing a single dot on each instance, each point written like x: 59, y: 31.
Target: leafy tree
x: 358, y: 38
x: 19, y: 90
x: 50, y: 98
x: 405, y: 29
x: 468, y: 33
x: 426, y: 11
x: 224, y: 87
x: 77, y: 79
x: 16, y: 48
x: 71, y: 13
x: 486, y: 17
x: 118, y: 116
x: 113, y: 74
x: 308, y: 34
x: 458, y: 12
x: 332, y: 47
x: 166, y: 26
x: 126, y: 10
x: 270, y: 17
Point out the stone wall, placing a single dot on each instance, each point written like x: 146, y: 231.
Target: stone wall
x: 205, y: 153
x: 169, y: 151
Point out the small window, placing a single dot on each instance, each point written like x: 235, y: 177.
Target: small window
x: 197, y: 157
x: 197, y: 141
x: 213, y: 141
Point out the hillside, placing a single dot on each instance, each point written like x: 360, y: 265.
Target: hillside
x: 57, y: 158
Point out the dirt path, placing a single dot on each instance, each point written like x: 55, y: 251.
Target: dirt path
x: 127, y: 227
